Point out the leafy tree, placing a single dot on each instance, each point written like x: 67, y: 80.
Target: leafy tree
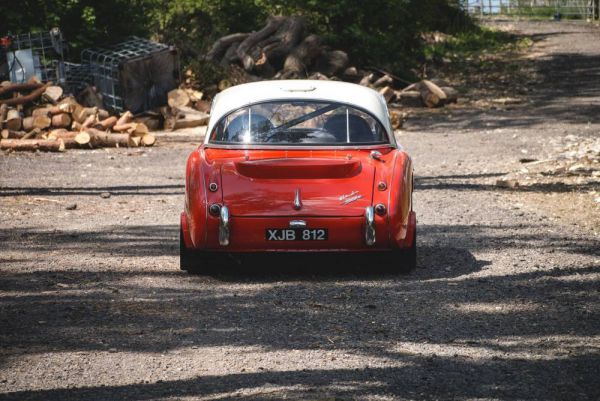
x: 385, y: 33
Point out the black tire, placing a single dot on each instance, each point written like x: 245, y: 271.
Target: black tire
x: 186, y: 257
x: 196, y: 262
x: 404, y: 261
x: 409, y: 256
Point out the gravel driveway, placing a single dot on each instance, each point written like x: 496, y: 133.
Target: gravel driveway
x: 504, y: 303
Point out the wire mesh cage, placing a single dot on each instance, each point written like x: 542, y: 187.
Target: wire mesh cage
x: 39, y: 54
x: 133, y: 75
x: 72, y: 76
x: 573, y: 9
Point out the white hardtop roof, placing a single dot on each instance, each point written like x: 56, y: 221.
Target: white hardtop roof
x: 243, y: 95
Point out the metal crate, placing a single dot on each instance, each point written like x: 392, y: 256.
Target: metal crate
x: 133, y: 75
x: 37, y: 53
x: 72, y: 77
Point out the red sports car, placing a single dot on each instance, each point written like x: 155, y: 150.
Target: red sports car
x: 298, y: 166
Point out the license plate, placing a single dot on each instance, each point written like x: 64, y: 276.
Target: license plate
x: 296, y: 234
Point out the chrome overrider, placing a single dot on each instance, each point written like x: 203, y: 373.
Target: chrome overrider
x: 297, y: 200
x: 224, y: 226
x: 369, y: 226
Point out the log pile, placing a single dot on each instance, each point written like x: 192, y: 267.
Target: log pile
x: 39, y: 117
x: 186, y: 109
x: 426, y: 93
x: 283, y: 49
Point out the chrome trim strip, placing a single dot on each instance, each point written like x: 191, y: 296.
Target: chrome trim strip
x: 297, y: 200
x: 224, y: 226
x: 369, y: 226
x: 387, y: 127
x: 297, y: 224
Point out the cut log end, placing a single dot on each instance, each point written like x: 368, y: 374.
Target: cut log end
x: 62, y: 120
x: 178, y: 98
x: 53, y: 93
x: 82, y: 138
x: 148, y: 140
x: 42, y: 122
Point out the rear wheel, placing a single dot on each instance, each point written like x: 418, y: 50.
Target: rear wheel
x: 192, y: 261
x: 409, y: 259
x: 186, y: 257
x: 405, y: 260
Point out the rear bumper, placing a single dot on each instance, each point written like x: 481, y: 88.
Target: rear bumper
x: 346, y: 234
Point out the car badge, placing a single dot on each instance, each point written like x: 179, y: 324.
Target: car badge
x: 349, y: 198
x: 297, y: 224
x: 297, y: 200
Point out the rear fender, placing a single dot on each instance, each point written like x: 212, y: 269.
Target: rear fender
x: 381, y: 189
x: 185, y: 231
x: 200, y: 173
x: 400, y: 202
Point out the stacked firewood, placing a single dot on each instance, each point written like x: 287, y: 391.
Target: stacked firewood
x: 283, y: 49
x: 36, y: 116
x: 280, y: 50
x: 426, y: 93
x: 185, y: 109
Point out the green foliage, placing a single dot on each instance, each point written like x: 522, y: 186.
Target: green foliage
x: 476, y: 53
x: 547, y: 12
x: 473, y: 43
x: 385, y: 33
x: 205, y: 74
x: 84, y: 23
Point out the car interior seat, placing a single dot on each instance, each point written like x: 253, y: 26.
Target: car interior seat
x: 237, y: 127
x: 359, y: 129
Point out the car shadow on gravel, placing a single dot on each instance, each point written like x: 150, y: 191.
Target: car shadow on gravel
x: 124, y: 240
x: 465, y: 379
x: 466, y: 338
x: 432, y: 262
x: 116, y: 190
x: 472, y: 183
x: 565, y: 91
x: 441, y: 330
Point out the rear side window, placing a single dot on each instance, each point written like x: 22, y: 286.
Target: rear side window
x: 299, y: 123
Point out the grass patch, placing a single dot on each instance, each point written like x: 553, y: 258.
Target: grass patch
x: 474, y: 44
x: 547, y: 13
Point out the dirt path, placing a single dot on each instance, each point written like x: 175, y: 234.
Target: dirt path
x: 505, y: 303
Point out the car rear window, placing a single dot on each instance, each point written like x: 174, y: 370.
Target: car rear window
x: 298, y: 123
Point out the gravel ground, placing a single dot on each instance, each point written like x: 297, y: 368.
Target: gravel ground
x: 504, y: 303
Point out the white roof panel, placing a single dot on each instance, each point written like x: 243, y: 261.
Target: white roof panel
x: 243, y: 95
